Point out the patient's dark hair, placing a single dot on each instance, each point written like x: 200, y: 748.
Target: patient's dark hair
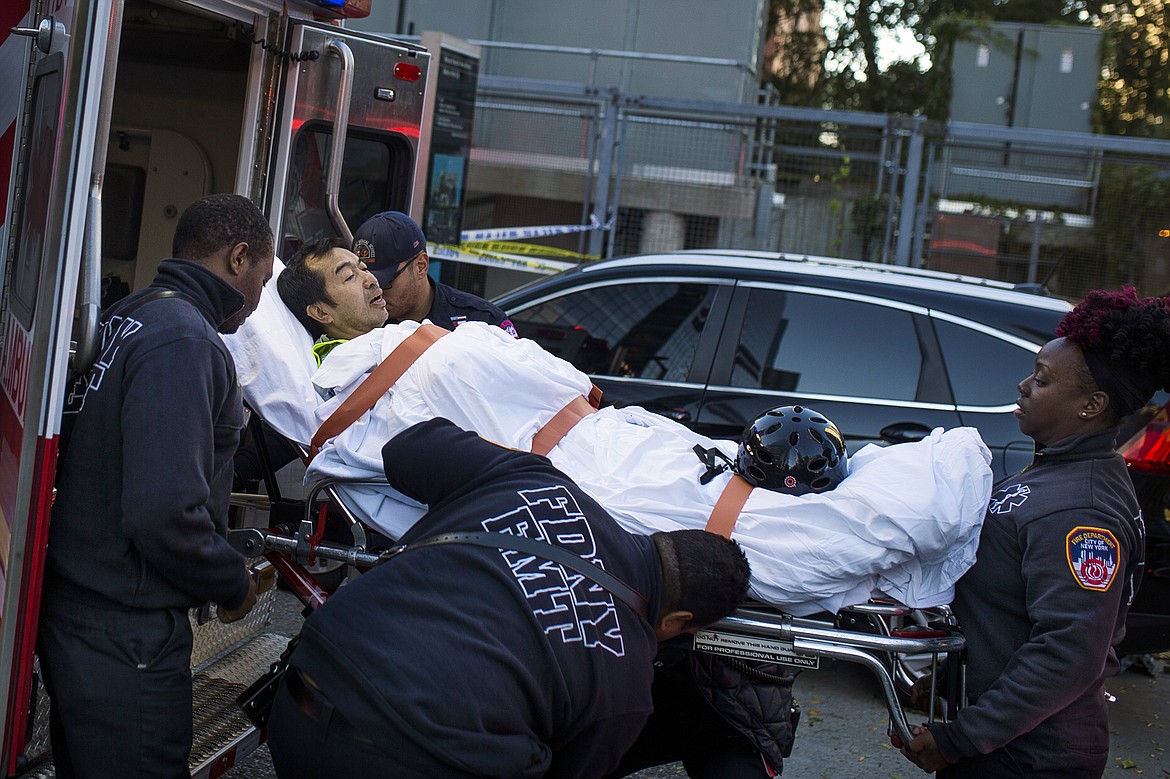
x: 300, y: 285
x: 216, y: 222
x: 703, y: 573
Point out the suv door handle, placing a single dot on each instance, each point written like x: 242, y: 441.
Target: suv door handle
x: 904, y: 432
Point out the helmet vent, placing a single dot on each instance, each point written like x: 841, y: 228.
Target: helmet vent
x: 764, y: 455
x: 820, y: 483
x: 756, y: 473
x: 817, y: 464
x: 794, y: 438
x: 816, y: 434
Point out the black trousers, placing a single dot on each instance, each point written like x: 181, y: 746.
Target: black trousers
x: 119, y: 684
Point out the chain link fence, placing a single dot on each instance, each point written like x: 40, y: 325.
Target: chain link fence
x: 1070, y: 211
x: 1084, y: 212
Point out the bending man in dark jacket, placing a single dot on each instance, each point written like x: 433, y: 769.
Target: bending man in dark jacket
x: 138, y: 529
x: 464, y: 661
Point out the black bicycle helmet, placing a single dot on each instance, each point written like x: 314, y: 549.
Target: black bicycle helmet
x: 794, y: 450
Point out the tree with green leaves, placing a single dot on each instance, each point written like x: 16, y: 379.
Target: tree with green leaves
x: 1135, y: 87
x: 844, y: 67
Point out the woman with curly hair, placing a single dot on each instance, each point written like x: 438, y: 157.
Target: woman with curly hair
x: 1059, y: 557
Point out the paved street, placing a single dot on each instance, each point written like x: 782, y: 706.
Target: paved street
x: 842, y: 732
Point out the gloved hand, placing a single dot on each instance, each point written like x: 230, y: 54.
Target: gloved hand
x: 227, y: 616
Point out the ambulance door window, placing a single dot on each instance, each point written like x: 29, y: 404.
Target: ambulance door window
x: 375, y: 177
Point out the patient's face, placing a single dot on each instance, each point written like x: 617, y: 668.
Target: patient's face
x: 358, y: 306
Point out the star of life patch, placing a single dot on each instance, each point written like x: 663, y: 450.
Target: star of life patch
x: 1008, y: 498
x: 1092, y: 557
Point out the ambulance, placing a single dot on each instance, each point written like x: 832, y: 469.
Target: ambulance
x: 115, y: 115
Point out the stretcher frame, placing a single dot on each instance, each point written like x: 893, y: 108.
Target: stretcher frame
x: 874, y: 637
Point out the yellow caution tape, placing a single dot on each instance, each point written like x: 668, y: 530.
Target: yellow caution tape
x: 499, y: 260
x: 529, y: 249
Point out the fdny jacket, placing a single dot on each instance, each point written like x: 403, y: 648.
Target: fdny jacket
x: 463, y: 660
x: 1045, y: 603
x: 141, y: 511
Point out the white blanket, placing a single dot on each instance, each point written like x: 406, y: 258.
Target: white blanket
x: 905, y: 521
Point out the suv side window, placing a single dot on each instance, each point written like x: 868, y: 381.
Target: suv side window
x: 984, y: 370
x: 816, y: 344
x: 646, y: 330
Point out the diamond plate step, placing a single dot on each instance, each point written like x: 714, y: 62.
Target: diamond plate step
x: 223, y: 736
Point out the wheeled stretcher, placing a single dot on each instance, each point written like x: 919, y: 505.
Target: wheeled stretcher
x: 906, y: 521
x: 880, y: 635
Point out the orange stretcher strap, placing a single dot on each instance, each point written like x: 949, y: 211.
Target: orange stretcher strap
x: 728, y: 507
x: 559, y: 426
x: 376, y: 384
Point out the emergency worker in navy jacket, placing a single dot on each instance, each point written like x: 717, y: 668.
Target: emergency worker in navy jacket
x: 138, y: 528
x: 393, y: 247
x: 457, y: 660
x: 1059, y: 558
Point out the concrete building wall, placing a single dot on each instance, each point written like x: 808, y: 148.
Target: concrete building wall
x: 730, y: 30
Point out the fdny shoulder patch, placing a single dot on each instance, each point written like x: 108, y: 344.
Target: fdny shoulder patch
x: 1092, y: 557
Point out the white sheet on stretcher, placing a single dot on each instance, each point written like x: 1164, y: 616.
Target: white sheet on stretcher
x: 905, y: 521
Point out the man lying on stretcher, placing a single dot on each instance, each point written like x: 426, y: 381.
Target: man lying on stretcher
x: 906, y: 520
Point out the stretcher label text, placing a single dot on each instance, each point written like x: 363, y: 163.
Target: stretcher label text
x: 753, y: 648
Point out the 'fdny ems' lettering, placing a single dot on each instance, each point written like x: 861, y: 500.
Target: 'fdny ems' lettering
x: 1092, y: 557
x: 565, y: 603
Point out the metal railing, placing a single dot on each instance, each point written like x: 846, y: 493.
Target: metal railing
x: 1013, y: 204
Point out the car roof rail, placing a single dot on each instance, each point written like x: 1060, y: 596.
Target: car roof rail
x: 1032, y: 288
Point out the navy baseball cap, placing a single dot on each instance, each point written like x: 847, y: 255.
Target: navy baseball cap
x: 385, y: 241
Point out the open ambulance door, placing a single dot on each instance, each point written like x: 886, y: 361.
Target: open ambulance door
x: 56, y: 128
x: 372, y: 87
x: 291, y: 95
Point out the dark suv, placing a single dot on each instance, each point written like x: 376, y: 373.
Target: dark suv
x: 714, y: 338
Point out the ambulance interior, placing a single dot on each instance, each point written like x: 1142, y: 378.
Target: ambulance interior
x: 197, y: 110
x: 175, y: 132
